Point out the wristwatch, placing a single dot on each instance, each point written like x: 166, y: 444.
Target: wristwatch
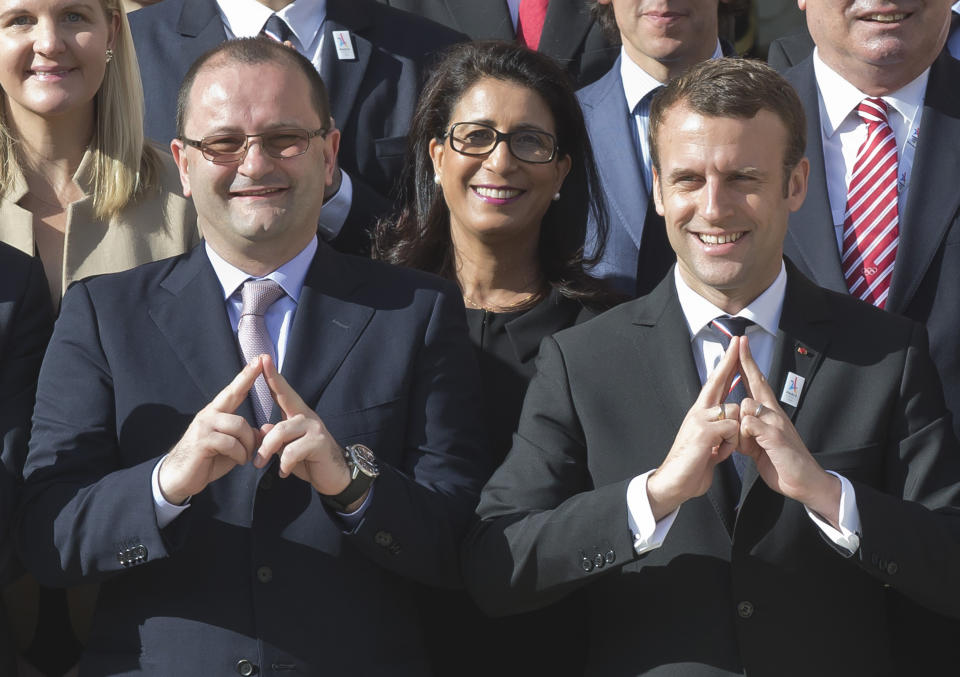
x: 363, y: 470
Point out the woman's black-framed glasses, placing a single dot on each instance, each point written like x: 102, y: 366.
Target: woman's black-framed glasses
x: 228, y: 149
x: 528, y: 145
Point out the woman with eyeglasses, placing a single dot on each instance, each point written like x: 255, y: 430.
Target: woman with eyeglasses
x: 495, y: 195
x: 79, y: 187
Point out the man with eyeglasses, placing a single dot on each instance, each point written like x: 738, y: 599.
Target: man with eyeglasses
x: 371, y: 57
x: 243, y: 519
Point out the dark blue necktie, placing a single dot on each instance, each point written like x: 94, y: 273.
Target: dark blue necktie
x: 277, y: 29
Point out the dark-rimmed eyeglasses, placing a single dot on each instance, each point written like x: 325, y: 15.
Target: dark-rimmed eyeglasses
x: 476, y: 138
x: 228, y: 149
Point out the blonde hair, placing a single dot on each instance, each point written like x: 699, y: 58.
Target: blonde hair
x: 124, y: 165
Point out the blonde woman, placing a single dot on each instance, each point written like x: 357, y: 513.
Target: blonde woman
x: 78, y: 185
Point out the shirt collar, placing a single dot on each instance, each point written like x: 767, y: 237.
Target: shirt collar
x: 290, y: 275
x: 245, y: 18
x: 637, y: 83
x: 764, y: 310
x: 840, y: 98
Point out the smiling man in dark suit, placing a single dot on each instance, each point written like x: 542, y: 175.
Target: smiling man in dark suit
x: 372, y: 59
x: 890, y: 55
x: 242, y: 519
x: 623, y: 482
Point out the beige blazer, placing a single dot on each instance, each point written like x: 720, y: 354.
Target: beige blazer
x: 155, y: 226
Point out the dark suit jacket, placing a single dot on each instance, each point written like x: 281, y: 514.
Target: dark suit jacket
x: 786, y: 52
x: 256, y: 568
x: 372, y: 98
x: 570, y: 35
x: 925, y: 285
x: 926, y: 279
x: 26, y: 320
x: 605, y: 406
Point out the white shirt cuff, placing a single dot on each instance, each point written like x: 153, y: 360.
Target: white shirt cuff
x: 848, y: 537
x: 334, y: 212
x: 647, y: 533
x: 166, y: 511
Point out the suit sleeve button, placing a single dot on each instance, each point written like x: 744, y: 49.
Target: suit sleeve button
x: 892, y: 568
x: 264, y: 574
x: 610, y: 557
x: 744, y: 609
x: 383, y: 539
x: 598, y: 560
x: 587, y: 564
x: 245, y: 667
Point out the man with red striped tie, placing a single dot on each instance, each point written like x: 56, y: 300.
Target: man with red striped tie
x: 882, y: 216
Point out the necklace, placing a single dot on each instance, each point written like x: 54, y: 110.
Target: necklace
x: 525, y: 301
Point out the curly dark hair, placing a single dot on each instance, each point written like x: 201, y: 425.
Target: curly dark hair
x: 418, y: 234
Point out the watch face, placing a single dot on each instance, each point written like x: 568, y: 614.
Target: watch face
x: 364, y: 459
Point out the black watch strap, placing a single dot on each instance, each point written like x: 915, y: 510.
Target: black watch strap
x: 358, y: 485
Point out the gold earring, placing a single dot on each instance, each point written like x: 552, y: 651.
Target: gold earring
x: 109, y: 55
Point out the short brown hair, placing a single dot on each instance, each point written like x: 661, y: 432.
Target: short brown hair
x: 734, y: 88
x: 252, y: 51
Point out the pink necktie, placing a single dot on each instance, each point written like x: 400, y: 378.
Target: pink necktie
x: 530, y: 20
x: 257, y: 295
x: 871, y: 222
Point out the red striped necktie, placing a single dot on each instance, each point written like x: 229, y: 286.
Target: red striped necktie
x: 871, y: 221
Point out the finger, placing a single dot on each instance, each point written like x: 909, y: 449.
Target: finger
x: 285, y: 396
x: 229, y: 446
x: 238, y: 389
x: 715, y: 390
x: 238, y: 428
x: 755, y: 408
x: 753, y: 380
x: 275, y: 440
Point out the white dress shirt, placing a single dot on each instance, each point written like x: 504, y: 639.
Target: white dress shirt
x: 842, y: 132
x: 705, y: 342
x: 245, y: 19
x: 278, y: 318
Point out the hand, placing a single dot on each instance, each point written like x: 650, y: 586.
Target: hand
x: 783, y: 460
x: 703, y: 440
x: 216, y: 440
x: 305, y: 447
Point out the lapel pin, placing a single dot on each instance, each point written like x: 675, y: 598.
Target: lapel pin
x: 344, y: 44
x: 802, y: 351
x: 792, y: 389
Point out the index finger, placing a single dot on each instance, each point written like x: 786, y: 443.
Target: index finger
x: 715, y: 390
x: 228, y: 399
x: 283, y: 394
x: 753, y: 381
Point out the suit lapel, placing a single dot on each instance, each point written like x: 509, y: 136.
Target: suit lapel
x: 343, y: 77
x: 196, y: 17
x: 933, y: 200
x: 326, y: 326
x: 811, y: 238
x: 621, y: 176
x: 206, y: 347
x: 489, y: 19
x: 666, y: 358
x: 801, y: 342
x: 564, y: 29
